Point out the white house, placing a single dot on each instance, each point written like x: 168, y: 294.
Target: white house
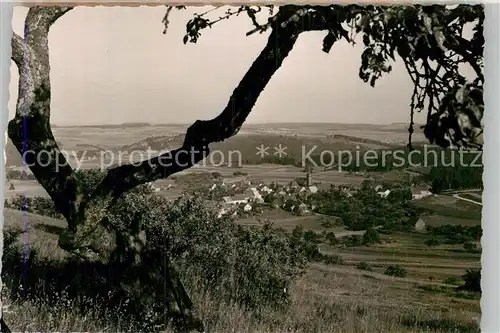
x: 302, y: 209
x: 266, y: 189
x: 222, y: 211
x: 257, y: 196
x: 313, y: 189
x: 421, y: 194
x: 247, y: 208
x: 384, y: 194
x: 420, y: 225
x: 238, y: 199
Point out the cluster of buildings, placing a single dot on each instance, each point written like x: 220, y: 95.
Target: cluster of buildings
x: 292, y: 197
x: 417, y: 193
x: 157, y: 188
x: 249, y: 196
x: 275, y: 195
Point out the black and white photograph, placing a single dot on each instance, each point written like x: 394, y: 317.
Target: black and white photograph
x: 244, y: 169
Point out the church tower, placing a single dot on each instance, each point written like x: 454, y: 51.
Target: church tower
x: 308, y: 174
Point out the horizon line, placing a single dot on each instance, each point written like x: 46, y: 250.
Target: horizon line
x: 138, y: 123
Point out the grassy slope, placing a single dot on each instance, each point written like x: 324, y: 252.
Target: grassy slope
x: 327, y: 299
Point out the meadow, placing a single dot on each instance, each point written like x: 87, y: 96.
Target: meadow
x: 328, y: 298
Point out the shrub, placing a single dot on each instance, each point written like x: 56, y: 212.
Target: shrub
x: 13, y: 174
x: 298, y: 232
x: 371, y: 236
x: 37, y: 205
x: 351, y: 241
x: 177, y: 241
x: 396, y: 270
x: 88, y: 178
x: 454, y: 280
x: 239, y: 173
x: 249, y: 265
x: 331, y: 238
x: 332, y: 259
x: 456, y: 234
x: 364, y: 266
x: 432, y: 242
x: 472, y: 280
x: 328, y: 222
x: 469, y: 246
x: 311, y: 236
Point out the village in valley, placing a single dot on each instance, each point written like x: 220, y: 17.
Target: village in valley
x: 247, y: 197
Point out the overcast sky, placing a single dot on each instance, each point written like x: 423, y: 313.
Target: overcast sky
x: 114, y: 65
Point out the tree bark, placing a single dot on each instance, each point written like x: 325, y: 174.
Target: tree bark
x: 30, y: 129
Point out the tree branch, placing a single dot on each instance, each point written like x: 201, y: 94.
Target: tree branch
x: 225, y: 125
x: 17, y: 44
x: 195, y: 146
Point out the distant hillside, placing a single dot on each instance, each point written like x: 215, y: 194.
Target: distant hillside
x: 245, y: 146
x: 157, y: 143
x: 361, y: 140
x: 122, y: 125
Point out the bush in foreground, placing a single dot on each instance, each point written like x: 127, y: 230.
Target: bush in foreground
x: 188, y: 249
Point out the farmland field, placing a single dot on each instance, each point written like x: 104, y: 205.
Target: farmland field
x: 447, y: 205
x: 472, y: 196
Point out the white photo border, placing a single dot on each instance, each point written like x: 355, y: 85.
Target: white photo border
x: 490, y: 262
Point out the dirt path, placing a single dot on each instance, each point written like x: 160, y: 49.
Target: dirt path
x: 461, y: 191
x: 463, y: 266
x: 468, y: 200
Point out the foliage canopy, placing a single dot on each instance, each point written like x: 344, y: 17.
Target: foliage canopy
x: 431, y: 41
